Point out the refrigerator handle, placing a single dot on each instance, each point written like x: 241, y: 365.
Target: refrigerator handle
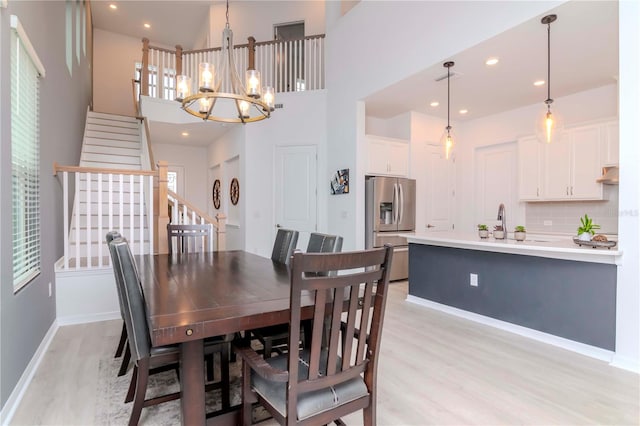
x: 395, y: 203
x: 401, y: 204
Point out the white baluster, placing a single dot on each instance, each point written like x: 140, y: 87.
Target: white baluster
x: 100, y: 214
x: 65, y: 217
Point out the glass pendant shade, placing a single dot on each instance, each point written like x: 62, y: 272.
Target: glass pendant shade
x: 244, y: 108
x: 206, y: 74
x: 548, y: 126
x: 183, y: 87
x: 269, y: 97
x: 253, y: 83
x: 447, y: 142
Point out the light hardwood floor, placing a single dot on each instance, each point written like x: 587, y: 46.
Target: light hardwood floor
x: 435, y: 369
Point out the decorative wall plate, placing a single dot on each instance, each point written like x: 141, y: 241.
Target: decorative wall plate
x: 216, y: 194
x: 234, y: 191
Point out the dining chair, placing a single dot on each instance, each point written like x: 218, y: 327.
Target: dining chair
x: 275, y: 338
x: 189, y: 238
x: 122, y: 344
x: 321, y: 384
x: 150, y: 359
x: 284, y: 245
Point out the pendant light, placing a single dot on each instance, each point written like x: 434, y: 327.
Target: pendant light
x: 448, y: 138
x: 550, y: 122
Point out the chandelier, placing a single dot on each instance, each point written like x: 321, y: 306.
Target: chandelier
x: 221, y: 96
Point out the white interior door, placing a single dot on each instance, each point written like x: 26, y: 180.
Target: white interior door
x: 496, y: 183
x: 295, y: 190
x: 439, y: 190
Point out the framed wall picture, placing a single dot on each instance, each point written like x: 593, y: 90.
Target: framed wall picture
x: 216, y: 194
x: 340, y: 182
x: 234, y: 191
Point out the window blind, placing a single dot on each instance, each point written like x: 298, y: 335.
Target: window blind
x: 25, y: 157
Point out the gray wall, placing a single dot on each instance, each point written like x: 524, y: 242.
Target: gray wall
x: 27, y: 315
x: 574, y: 300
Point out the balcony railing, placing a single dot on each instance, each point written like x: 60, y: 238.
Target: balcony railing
x: 288, y: 66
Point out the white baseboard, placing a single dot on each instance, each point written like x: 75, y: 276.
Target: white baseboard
x: 626, y: 363
x: 27, y: 375
x: 83, y: 319
x: 581, y: 348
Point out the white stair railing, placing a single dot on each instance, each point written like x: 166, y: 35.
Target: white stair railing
x: 105, y: 200
x: 184, y: 213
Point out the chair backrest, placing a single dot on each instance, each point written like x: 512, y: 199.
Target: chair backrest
x: 352, y: 345
x: 324, y: 243
x: 286, y: 240
x: 189, y: 238
x: 112, y: 235
x: 135, y: 317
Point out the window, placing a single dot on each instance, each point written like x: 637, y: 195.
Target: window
x: 153, y: 80
x: 26, y: 69
x: 68, y: 36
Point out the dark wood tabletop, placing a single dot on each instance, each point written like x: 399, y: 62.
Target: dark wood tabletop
x: 193, y: 296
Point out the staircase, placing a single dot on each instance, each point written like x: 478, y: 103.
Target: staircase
x: 110, y: 142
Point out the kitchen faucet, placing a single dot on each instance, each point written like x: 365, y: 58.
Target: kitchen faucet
x: 503, y: 217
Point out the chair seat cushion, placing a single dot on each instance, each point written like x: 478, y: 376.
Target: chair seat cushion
x: 310, y: 403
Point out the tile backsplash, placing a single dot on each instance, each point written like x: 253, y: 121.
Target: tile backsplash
x: 565, y: 215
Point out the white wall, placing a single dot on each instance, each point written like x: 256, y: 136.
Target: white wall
x: 257, y: 18
x: 349, y: 76
x: 193, y: 159
x: 590, y: 105
x: 113, y: 69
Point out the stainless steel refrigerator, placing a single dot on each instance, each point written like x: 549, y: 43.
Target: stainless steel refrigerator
x: 390, y: 211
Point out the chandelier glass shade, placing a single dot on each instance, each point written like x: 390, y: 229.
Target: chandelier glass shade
x: 221, y: 95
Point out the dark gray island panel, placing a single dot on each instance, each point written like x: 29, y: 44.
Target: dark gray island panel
x: 570, y: 299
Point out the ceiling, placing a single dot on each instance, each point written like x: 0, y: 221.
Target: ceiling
x: 584, y: 55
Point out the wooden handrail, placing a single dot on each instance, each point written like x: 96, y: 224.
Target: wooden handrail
x: 238, y: 46
x: 79, y: 169
x: 192, y: 207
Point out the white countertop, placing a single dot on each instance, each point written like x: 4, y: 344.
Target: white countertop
x: 541, y: 245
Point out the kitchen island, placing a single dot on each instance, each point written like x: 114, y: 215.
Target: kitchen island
x: 546, y: 283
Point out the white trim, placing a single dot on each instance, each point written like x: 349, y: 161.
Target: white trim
x: 581, y: 348
x: 14, y: 399
x: 84, y: 319
x: 15, y: 24
x: 626, y: 363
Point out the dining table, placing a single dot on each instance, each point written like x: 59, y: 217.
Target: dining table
x: 192, y: 296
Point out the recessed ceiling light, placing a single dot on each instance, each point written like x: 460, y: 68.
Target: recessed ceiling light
x: 113, y: 6
x: 147, y: 25
x: 538, y: 83
x: 185, y: 133
x: 434, y: 104
x: 492, y: 61
x: 463, y: 111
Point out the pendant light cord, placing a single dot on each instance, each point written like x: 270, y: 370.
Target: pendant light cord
x: 549, y: 100
x: 448, y: 98
x: 227, y: 13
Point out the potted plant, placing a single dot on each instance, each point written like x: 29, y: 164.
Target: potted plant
x: 483, y: 231
x: 520, y: 233
x: 498, y: 232
x: 587, y: 228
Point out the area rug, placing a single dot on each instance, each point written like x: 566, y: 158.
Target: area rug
x: 111, y: 409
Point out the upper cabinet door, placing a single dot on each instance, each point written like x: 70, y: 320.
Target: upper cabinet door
x: 558, y: 169
x: 609, y: 144
x: 530, y: 169
x: 387, y: 157
x: 585, y: 163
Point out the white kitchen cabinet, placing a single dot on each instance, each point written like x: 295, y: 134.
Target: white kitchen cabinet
x: 572, y: 165
x: 388, y: 156
x: 530, y: 167
x: 609, y: 143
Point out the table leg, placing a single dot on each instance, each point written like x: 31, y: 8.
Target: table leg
x: 192, y: 383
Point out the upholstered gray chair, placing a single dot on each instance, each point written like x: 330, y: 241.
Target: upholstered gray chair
x: 122, y: 344
x: 145, y: 356
x: 285, y: 244
x: 324, y: 243
x: 318, y: 385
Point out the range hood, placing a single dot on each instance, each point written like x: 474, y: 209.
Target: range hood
x: 609, y: 175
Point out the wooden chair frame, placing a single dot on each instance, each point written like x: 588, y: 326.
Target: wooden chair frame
x: 352, y: 347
